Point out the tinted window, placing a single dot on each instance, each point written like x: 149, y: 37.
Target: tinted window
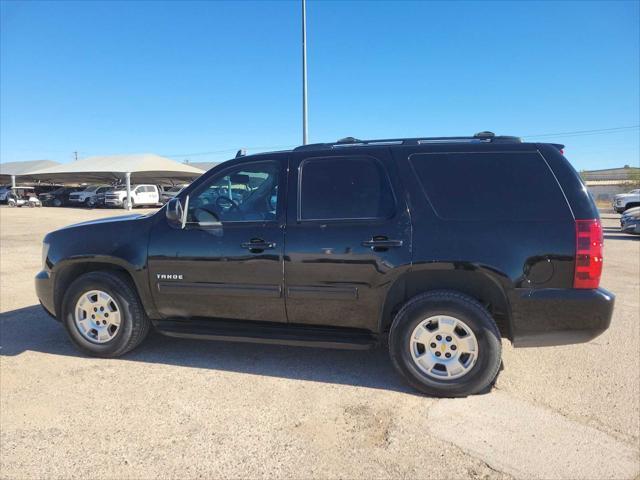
x: 344, y: 188
x: 490, y: 186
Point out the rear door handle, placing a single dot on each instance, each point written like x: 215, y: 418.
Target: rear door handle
x: 257, y: 245
x: 381, y: 243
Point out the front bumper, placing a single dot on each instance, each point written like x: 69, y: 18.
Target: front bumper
x: 44, y: 291
x: 558, y: 316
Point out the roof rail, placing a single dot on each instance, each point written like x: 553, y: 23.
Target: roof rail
x: 481, y: 137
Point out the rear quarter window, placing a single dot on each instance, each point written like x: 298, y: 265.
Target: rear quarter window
x: 491, y: 186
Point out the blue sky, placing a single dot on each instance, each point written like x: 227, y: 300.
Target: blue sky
x: 198, y: 80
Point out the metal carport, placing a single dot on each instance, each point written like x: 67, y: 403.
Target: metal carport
x: 134, y: 168
x: 12, y: 171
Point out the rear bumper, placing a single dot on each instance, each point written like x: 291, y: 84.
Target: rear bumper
x: 550, y: 317
x: 44, y: 291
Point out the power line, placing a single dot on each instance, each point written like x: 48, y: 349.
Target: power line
x: 583, y: 132
x: 574, y: 133
x: 229, y: 150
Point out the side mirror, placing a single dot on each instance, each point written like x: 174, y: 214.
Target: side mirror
x: 206, y: 219
x: 176, y: 213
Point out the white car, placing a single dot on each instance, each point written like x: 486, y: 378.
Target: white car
x: 147, y: 195
x: 87, y: 197
x: 624, y: 201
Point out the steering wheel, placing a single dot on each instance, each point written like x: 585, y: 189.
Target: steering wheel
x: 230, y: 203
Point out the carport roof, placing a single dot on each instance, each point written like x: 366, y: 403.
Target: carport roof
x: 20, y: 169
x: 144, y: 168
x: 204, y: 165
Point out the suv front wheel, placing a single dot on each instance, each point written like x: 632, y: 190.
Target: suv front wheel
x: 445, y: 344
x: 103, y: 315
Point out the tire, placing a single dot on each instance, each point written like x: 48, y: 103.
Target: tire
x: 134, y: 324
x: 57, y: 203
x: 89, y: 203
x: 125, y: 204
x: 466, y: 311
x: 11, y: 203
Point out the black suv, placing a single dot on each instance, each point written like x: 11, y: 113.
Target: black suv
x: 438, y: 246
x: 58, y: 197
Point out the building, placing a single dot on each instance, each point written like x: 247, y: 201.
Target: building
x: 604, y: 184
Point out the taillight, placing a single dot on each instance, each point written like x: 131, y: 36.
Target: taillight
x: 588, y: 254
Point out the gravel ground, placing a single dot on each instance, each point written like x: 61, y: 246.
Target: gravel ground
x: 189, y: 409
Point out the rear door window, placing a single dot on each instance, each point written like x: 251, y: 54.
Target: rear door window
x: 344, y: 188
x: 490, y: 186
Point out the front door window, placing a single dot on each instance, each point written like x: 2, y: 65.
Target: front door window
x: 247, y: 193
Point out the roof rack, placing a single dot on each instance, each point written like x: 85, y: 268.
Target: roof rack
x: 481, y: 137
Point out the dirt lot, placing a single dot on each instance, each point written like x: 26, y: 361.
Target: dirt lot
x: 193, y: 409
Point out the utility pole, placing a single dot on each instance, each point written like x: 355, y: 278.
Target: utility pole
x: 75, y: 154
x: 305, y: 137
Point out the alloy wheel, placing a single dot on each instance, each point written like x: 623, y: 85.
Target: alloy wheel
x: 97, y: 316
x: 444, y: 347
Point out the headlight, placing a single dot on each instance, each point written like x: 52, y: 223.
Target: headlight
x: 45, y: 252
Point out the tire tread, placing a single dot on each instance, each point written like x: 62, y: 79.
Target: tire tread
x: 140, y: 323
x: 441, y: 295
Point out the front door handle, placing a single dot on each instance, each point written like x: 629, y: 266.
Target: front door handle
x: 380, y: 243
x: 257, y: 245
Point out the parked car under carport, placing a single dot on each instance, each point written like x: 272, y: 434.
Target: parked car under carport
x: 58, y: 197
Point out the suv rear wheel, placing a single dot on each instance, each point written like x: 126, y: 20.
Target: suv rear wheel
x: 103, y: 314
x: 445, y: 344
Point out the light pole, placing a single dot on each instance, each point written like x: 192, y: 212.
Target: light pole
x: 304, y: 73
